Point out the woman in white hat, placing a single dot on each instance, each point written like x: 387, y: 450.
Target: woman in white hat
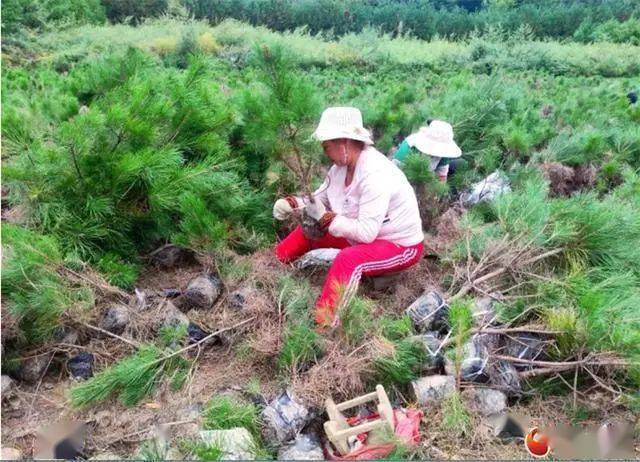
x: 371, y: 213
x: 436, y: 142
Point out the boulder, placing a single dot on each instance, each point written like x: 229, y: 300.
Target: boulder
x: 486, y: 190
x: 504, y: 376
x: 283, y: 419
x: 106, y: 456
x: 304, y: 447
x: 475, y: 361
x: 202, y: 292
x: 195, y: 333
x: 238, y: 298
x: 115, y: 319
x: 81, y: 365
x: 67, y: 335
x: 173, y: 317
x: 526, y: 346
x: 7, y: 453
x: 235, y: 443
x: 485, y: 401
x: 433, y: 389
x: 317, y: 258
x: 170, y: 256
x: 484, y: 313
x: 429, y: 312
x: 33, y: 369
x: 7, y: 387
x: 432, y: 347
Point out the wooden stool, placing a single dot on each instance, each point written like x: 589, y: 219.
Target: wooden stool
x: 338, y: 430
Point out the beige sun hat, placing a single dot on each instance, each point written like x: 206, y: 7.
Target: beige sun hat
x: 342, y: 122
x: 435, y: 140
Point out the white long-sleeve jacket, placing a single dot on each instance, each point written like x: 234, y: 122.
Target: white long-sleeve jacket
x: 378, y: 204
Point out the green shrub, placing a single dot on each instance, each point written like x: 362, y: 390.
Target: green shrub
x: 225, y: 412
x: 301, y: 344
x: 35, y: 289
x: 401, y: 365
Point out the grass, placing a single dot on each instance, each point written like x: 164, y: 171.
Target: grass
x: 301, y: 345
x: 357, y: 322
x: 224, y: 412
x: 456, y: 418
x: 400, y: 364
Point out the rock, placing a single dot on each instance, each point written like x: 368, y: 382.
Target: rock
x: 81, y: 365
x: 202, y: 292
x: 173, y: 317
x: 632, y: 96
x: 432, y: 347
x: 507, y: 426
x: 485, y: 401
x: 317, y: 258
x: 236, y: 443
x: 238, y: 298
x: 429, y: 312
x: 7, y: 387
x: 170, y: 256
x: 33, y: 369
x: 433, y: 389
x: 106, y: 456
x: 484, y: 313
x: 66, y: 335
x: 83, y: 109
x: 195, y: 333
x: 171, y: 293
x: 503, y: 376
x: 475, y: 361
x: 116, y: 319
x: 303, y: 447
x: 526, y: 346
x: 283, y: 419
x: 486, y: 190
x: 310, y: 216
x: 10, y: 453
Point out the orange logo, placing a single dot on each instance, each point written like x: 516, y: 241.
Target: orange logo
x: 537, y: 443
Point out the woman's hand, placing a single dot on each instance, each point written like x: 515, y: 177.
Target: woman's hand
x: 283, y: 208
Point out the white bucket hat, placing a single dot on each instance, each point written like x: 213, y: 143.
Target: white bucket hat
x: 342, y: 122
x: 435, y: 140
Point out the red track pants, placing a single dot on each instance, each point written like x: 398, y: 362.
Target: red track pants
x: 374, y: 259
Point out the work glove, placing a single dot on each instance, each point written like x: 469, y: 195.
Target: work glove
x: 326, y: 220
x: 283, y: 208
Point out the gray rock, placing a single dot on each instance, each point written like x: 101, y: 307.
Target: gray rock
x: 116, y: 319
x: 429, y: 312
x: 81, y: 365
x: 507, y: 426
x: 526, y: 346
x: 83, y: 109
x: 317, y: 258
x: 485, y: 401
x: 106, y: 456
x: 432, y: 347
x: 283, y: 419
x: 7, y: 453
x: 33, y: 369
x: 66, y: 335
x: 433, y: 389
x: 170, y: 256
x: 475, y: 361
x: 7, y: 387
x: 236, y: 443
x: 303, y: 447
x: 484, y: 312
x: 173, y: 317
x: 238, y: 298
x: 504, y: 376
x: 486, y: 190
x: 202, y: 292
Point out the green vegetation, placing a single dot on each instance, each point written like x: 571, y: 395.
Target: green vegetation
x: 132, y: 379
x: 224, y: 412
x: 456, y: 418
x: 120, y: 138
